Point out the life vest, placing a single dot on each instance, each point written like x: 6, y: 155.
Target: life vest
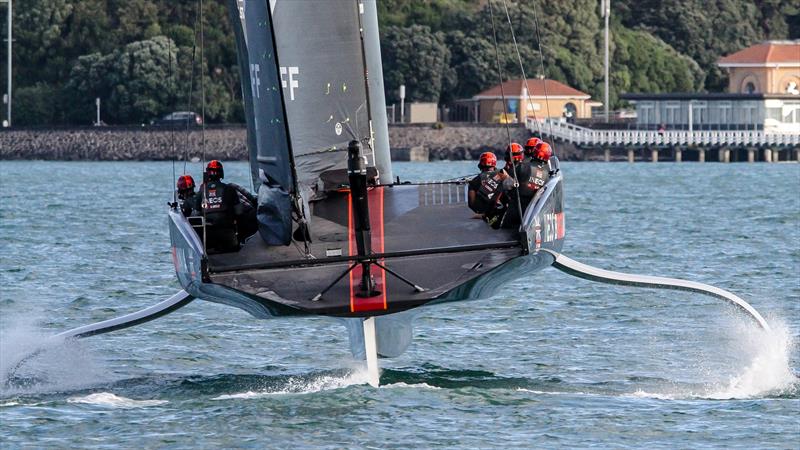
x: 538, y: 175
x: 489, y: 190
x: 523, y: 189
x: 213, y: 201
x: 217, y: 204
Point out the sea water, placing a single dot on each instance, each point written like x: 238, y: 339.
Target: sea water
x: 551, y: 361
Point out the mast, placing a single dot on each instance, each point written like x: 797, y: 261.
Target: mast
x: 375, y: 93
x: 295, y: 187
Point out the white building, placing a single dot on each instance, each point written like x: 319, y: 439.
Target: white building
x: 764, y: 95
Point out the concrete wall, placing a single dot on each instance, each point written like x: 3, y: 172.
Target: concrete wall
x: 453, y: 141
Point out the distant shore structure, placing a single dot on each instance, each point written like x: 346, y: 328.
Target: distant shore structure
x: 761, y: 110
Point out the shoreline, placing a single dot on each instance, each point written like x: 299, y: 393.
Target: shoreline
x: 410, y: 142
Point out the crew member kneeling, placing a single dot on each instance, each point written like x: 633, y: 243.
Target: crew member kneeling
x: 485, y: 193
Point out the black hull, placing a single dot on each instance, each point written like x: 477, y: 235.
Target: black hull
x: 422, y: 233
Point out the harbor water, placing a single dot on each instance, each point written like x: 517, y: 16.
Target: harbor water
x: 551, y: 361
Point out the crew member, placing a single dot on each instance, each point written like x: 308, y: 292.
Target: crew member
x: 245, y: 212
x: 514, y: 188
x: 485, y: 191
x: 217, y: 201
x: 531, y: 176
x: 186, y: 194
x: 530, y: 146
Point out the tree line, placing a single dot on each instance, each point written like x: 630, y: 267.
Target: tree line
x: 141, y: 57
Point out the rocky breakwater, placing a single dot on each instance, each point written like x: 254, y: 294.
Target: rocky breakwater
x: 123, y: 143
x: 451, y: 141
x: 412, y: 142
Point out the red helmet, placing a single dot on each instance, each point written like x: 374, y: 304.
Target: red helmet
x: 530, y: 145
x: 514, y: 151
x: 185, y: 182
x: 487, y: 160
x: 214, y: 169
x: 543, y: 151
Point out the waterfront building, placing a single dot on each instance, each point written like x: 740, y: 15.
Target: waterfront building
x: 763, y: 95
x: 528, y: 100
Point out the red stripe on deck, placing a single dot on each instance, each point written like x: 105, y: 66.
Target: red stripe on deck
x: 378, y: 302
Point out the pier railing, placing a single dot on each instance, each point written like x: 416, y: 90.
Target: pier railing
x: 587, y: 136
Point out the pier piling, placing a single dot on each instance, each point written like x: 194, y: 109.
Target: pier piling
x: 678, y: 155
x: 630, y: 155
x: 654, y: 155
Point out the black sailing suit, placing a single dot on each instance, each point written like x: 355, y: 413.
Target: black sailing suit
x: 489, y: 198
x: 217, y: 201
x: 245, y: 212
x: 187, y: 203
x: 531, y: 175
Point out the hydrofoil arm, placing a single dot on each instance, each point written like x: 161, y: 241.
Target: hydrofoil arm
x: 179, y: 300
x: 580, y: 270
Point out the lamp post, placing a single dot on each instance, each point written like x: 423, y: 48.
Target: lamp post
x: 606, y: 7
x: 7, y: 97
x: 402, y: 102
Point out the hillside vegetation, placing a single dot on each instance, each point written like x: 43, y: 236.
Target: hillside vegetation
x: 140, y: 57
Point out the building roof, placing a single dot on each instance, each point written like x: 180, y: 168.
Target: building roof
x: 536, y: 89
x: 769, y: 53
x: 704, y: 96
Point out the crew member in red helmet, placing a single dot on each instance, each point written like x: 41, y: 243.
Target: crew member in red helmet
x: 485, y: 192
x: 186, y: 194
x: 530, y: 146
x: 217, y: 202
x: 532, y: 174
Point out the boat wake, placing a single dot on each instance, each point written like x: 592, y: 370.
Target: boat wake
x: 304, y: 385
x: 110, y: 400
x: 33, y: 361
x: 765, y: 371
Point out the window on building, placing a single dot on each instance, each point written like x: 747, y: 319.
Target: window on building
x: 791, y: 113
x: 673, y: 112
x: 645, y: 114
x: 725, y: 116
x: 699, y: 112
x: 775, y: 114
x: 749, y: 88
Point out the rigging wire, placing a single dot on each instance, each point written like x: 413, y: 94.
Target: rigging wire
x: 191, y: 91
x: 203, y: 128
x: 505, y: 113
x: 541, y: 61
x: 173, y: 150
x: 522, y: 69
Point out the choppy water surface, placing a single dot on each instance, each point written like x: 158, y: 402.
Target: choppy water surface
x: 552, y: 361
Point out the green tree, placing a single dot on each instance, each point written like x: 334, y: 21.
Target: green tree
x: 418, y: 58
x: 133, y: 82
x: 644, y: 63
x: 35, y: 105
